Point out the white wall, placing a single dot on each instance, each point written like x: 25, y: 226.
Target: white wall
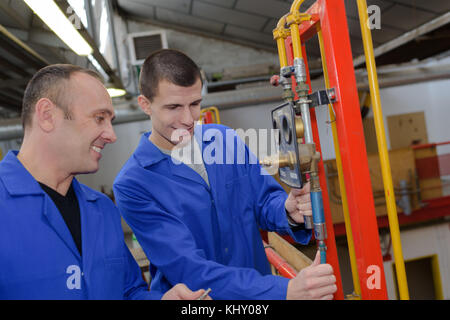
x: 419, y: 243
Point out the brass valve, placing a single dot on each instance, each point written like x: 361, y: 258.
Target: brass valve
x: 281, y: 161
x: 299, y: 127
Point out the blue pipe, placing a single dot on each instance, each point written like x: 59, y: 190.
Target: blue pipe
x: 319, y: 220
x: 317, y: 207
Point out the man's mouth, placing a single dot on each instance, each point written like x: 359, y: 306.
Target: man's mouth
x: 97, y: 149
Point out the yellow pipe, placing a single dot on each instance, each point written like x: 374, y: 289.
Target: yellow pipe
x: 215, y: 111
x: 295, y: 33
x: 382, y: 148
x: 282, y: 52
x: 348, y: 226
x: 280, y: 34
x: 296, y: 41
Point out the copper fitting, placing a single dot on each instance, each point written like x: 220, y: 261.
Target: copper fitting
x: 281, y: 161
x: 299, y: 128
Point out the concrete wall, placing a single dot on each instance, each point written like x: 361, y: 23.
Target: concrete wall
x: 212, y: 55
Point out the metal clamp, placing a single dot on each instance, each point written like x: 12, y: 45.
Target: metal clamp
x: 322, y: 97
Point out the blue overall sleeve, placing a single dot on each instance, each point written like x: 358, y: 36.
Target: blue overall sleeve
x: 171, y: 248
x: 269, y: 199
x: 136, y: 288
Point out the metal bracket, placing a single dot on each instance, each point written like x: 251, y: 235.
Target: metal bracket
x: 322, y: 97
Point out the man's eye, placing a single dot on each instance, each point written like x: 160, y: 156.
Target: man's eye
x: 99, y: 119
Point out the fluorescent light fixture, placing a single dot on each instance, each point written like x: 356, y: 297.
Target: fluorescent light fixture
x: 54, y: 18
x: 115, y: 93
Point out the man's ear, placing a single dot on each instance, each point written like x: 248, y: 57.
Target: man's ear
x: 144, y: 103
x: 45, y: 114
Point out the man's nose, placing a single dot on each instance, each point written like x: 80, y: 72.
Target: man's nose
x: 109, y: 134
x: 187, y: 118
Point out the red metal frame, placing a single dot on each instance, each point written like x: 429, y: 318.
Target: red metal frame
x: 333, y: 22
x: 428, y: 145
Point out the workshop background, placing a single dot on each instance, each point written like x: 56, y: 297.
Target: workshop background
x: 232, y: 42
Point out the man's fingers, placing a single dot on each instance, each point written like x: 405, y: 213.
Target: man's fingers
x: 298, y: 216
x: 182, y: 290
x: 304, y: 207
x: 323, y: 281
x: 185, y: 293
x: 321, y: 292
x: 316, y: 261
x: 305, y: 190
x: 197, y: 294
x: 320, y: 270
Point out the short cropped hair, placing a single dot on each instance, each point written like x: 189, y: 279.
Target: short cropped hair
x: 51, y: 82
x: 167, y: 64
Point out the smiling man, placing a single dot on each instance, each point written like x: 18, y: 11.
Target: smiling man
x: 58, y: 238
x: 198, y: 222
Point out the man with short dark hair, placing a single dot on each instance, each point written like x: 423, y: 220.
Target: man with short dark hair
x: 60, y: 239
x: 198, y: 222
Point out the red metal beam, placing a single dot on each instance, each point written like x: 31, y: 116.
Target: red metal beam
x: 350, y: 132
x: 333, y: 22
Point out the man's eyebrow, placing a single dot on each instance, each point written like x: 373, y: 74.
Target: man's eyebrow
x: 197, y: 101
x: 107, y: 111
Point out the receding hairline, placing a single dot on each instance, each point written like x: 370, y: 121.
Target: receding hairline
x: 61, y: 93
x: 64, y: 92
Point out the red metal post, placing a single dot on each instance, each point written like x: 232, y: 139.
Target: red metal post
x: 331, y: 16
x: 350, y: 132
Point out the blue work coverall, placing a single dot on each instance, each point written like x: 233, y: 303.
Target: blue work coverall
x: 205, y: 237
x: 38, y: 256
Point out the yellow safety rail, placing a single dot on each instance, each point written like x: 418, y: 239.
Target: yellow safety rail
x: 382, y: 149
x: 214, y: 111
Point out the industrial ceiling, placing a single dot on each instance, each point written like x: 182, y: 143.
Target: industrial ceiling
x: 252, y: 21
x: 27, y: 44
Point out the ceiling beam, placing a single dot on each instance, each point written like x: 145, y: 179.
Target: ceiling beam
x: 8, y: 65
x: 254, y: 45
x: 13, y: 15
x: 21, y: 50
x: 13, y: 83
x: 39, y: 36
x: 8, y: 102
x: 115, y: 79
x: 406, y: 37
